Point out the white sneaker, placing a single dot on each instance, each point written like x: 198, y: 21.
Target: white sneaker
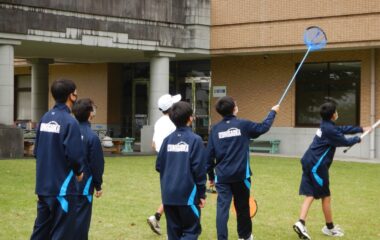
x: 250, y: 238
x: 154, y: 224
x: 335, y: 232
x: 301, y: 230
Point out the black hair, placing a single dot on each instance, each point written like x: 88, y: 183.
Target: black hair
x: 180, y: 113
x: 82, y: 109
x: 327, y: 110
x: 61, y: 89
x: 225, y: 106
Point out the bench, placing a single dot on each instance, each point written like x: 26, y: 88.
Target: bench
x: 263, y: 145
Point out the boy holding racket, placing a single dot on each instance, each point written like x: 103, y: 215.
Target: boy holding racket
x: 182, y: 167
x: 315, y: 165
x: 229, y: 145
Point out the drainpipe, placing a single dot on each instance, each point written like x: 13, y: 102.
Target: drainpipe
x: 372, y: 143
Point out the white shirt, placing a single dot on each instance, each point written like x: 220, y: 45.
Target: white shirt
x: 162, y: 128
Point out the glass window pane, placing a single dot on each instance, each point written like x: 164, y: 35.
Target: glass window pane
x: 319, y: 82
x: 311, y: 89
x: 345, y: 78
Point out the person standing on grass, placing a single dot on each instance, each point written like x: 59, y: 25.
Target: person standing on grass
x: 316, y: 163
x: 59, y: 157
x: 85, y: 111
x: 229, y: 145
x: 162, y: 128
x: 182, y: 167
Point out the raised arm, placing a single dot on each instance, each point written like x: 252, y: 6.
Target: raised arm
x: 337, y: 139
x: 257, y: 129
x: 350, y: 129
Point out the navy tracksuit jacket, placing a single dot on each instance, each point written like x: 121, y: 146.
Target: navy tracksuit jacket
x: 229, y: 145
x: 181, y: 163
x: 59, y: 156
x: 59, y: 153
x: 93, y: 172
x: 319, y: 156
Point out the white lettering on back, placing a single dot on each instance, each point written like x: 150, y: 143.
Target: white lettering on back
x: 52, y: 127
x: 231, y: 132
x: 179, y: 147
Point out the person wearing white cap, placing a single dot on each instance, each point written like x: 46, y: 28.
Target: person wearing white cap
x: 162, y: 128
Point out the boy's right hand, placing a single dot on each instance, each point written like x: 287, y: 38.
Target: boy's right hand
x: 276, y: 108
x: 202, y: 203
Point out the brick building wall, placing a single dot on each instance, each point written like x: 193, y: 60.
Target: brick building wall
x: 277, y: 25
x: 257, y: 82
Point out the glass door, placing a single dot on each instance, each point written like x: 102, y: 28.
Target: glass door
x: 140, y: 101
x: 198, y: 95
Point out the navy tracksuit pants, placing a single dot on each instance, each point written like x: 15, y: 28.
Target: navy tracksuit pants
x: 83, y: 217
x: 183, y: 222
x: 240, y: 191
x: 55, y: 218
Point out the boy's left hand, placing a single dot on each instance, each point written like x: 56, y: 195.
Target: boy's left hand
x: 202, y: 203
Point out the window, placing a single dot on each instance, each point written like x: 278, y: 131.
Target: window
x: 23, y: 98
x: 318, y: 82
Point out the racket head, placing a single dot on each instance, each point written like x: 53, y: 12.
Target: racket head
x: 252, y: 207
x: 315, y: 38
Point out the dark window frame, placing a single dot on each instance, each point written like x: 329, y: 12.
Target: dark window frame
x: 358, y: 95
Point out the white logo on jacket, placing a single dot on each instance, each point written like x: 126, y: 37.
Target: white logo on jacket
x: 231, y: 132
x: 52, y: 127
x: 179, y: 147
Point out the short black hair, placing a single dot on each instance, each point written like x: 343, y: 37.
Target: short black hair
x: 225, y: 106
x: 180, y: 113
x: 61, y: 89
x: 327, y: 110
x: 82, y: 109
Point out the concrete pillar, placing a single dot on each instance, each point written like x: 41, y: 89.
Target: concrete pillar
x: 6, y: 84
x: 159, y: 85
x: 40, y: 87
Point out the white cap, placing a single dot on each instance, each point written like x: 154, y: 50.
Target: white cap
x: 166, y: 101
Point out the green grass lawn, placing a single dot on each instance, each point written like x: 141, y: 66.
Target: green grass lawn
x: 131, y: 194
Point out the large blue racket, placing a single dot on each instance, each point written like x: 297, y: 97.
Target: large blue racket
x: 315, y: 39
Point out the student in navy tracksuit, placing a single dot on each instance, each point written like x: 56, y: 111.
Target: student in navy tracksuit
x: 229, y: 145
x: 59, y: 154
x: 84, y: 111
x: 315, y: 166
x: 182, y: 167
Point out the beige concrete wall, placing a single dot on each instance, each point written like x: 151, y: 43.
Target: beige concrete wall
x: 91, y: 81
x: 277, y: 25
x: 257, y: 83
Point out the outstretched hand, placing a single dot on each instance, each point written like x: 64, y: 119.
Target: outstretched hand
x: 365, y: 129
x: 276, y: 108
